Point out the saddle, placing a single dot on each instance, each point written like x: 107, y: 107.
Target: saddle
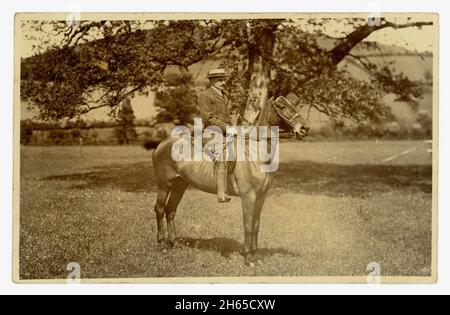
x: 216, y: 156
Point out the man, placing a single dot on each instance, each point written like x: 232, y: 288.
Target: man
x: 215, y: 109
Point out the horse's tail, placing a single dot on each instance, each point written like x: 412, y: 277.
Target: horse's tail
x: 153, y: 153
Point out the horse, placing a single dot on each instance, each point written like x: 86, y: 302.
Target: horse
x: 247, y: 181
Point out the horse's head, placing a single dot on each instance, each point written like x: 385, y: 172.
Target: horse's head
x: 288, y: 117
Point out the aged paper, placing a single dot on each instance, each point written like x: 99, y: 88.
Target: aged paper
x: 351, y: 199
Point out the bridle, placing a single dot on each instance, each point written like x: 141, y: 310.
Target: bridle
x: 287, y: 112
x: 288, y: 118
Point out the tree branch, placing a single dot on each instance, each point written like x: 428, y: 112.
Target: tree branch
x: 108, y: 104
x: 365, y: 62
x: 406, y: 25
x: 343, y: 48
x: 80, y: 31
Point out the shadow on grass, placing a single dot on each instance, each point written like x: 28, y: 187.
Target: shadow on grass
x: 302, y: 176
x: 353, y: 180
x: 227, y: 246
x: 135, y: 177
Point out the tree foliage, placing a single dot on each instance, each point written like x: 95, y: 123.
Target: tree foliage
x: 101, y: 63
x: 177, y: 101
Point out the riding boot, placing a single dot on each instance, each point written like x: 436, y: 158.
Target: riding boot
x: 222, y: 174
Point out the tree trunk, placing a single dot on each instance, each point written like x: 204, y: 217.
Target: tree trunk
x: 260, y: 53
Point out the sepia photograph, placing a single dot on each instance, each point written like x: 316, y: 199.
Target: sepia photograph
x: 225, y: 148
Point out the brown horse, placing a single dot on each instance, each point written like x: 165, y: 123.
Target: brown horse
x: 246, y: 182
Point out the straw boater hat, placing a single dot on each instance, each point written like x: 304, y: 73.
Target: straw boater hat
x: 217, y: 73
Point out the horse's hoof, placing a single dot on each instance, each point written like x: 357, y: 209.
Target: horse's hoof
x: 161, y: 246
x: 258, y: 260
x: 177, y: 244
x: 174, y: 244
x: 250, y: 261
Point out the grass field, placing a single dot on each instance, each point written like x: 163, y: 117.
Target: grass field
x: 333, y: 209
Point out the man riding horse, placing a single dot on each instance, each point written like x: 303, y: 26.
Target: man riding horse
x: 250, y: 184
x: 216, y: 110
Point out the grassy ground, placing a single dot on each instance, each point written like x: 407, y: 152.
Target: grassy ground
x: 334, y: 208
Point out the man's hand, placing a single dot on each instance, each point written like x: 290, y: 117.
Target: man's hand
x: 232, y: 130
x: 235, y: 119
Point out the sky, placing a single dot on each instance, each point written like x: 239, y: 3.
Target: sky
x: 414, y: 39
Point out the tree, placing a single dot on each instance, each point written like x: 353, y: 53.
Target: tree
x: 26, y: 131
x: 126, y: 131
x: 425, y: 120
x: 428, y: 75
x: 177, y: 102
x: 268, y: 58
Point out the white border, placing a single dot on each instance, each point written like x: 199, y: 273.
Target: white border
x: 6, y: 133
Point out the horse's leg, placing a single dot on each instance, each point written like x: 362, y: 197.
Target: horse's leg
x: 176, y: 193
x: 248, y: 207
x: 257, y: 216
x: 163, y: 194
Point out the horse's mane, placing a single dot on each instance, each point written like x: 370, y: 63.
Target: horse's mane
x: 262, y: 117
